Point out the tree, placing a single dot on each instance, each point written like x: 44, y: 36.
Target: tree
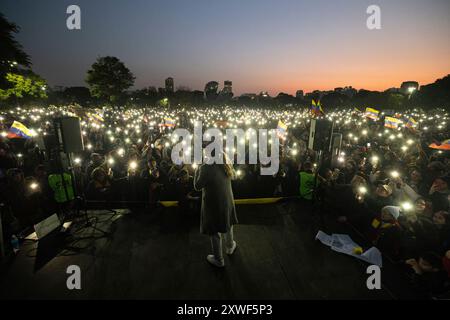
x: 11, y: 52
x: 433, y: 95
x: 108, y: 78
x: 334, y: 100
x: 25, y: 83
x: 79, y: 95
x: 144, y: 96
x: 284, y: 98
x: 16, y: 78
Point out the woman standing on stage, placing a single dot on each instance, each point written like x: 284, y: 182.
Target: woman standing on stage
x: 218, y: 213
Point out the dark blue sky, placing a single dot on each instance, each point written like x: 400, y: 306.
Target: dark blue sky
x: 274, y: 45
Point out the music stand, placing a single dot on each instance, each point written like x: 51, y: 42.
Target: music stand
x: 78, y: 196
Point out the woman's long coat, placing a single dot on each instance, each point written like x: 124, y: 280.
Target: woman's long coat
x: 218, y: 212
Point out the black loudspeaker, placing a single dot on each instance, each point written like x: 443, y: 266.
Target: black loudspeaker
x: 69, y: 134
x: 320, y: 135
x: 336, y: 144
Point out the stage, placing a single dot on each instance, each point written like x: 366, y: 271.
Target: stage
x: 161, y: 255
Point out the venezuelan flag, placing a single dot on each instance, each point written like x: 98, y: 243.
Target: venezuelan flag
x: 411, y: 123
x: 94, y: 117
x: 281, y: 130
x: 18, y: 130
x: 391, y: 122
x: 98, y: 117
x: 316, y: 108
x: 319, y: 107
x: 169, y: 122
x: 372, y: 113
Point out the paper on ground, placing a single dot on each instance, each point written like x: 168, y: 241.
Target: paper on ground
x: 344, y: 244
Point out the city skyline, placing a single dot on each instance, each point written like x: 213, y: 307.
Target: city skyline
x: 259, y: 45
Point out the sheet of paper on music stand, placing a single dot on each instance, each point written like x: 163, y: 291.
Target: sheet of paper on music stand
x: 46, y: 226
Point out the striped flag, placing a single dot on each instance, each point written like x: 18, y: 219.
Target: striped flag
x: 316, y: 108
x: 95, y: 118
x: 411, y: 123
x: 169, y: 122
x: 281, y: 130
x: 391, y: 122
x: 18, y: 130
x: 372, y: 113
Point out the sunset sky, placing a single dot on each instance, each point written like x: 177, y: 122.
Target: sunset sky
x: 273, y: 45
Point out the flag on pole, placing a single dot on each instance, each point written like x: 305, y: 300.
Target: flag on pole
x: 319, y: 107
x: 316, y: 108
x: 18, y: 130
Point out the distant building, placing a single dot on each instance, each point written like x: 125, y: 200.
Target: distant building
x: 211, y: 89
x: 228, y: 86
x: 348, y: 91
x: 227, y: 91
x: 299, y: 94
x: 169, y: 85
x: 408, y: 87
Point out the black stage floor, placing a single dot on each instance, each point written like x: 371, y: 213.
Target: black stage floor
x: 161, y: 255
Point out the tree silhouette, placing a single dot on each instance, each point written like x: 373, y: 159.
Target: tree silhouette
x: 108, y: 78
x: 17, y: 80
x: 10, y: 50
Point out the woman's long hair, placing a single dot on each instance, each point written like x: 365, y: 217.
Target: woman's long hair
x: 228, y: 166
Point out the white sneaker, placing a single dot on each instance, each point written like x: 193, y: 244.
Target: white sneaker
x: 217, y: 263
x: 230, y: 251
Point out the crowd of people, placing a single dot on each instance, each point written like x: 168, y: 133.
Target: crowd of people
x: 386, y: 182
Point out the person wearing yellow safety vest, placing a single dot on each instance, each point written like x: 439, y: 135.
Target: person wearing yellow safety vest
x: 307, y: 181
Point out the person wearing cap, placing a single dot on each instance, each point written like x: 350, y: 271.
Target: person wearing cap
x: 386, y: 231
